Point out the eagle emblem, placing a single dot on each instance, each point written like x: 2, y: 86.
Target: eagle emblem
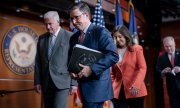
x: 19, y: 49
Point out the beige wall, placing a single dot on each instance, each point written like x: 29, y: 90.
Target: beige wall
x: 11, y: 81
x: 8, y: 79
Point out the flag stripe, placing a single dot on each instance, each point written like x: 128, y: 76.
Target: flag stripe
x: 132, y: 23
x: 119, y: 18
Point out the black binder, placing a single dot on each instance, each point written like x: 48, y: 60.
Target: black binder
x: 82, y: 55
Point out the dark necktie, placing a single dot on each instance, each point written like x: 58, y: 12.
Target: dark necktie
x: 81, y: 37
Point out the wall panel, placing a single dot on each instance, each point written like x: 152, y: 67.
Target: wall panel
x: 18, y: 88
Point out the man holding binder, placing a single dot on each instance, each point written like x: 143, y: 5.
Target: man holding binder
x: 94, y: 80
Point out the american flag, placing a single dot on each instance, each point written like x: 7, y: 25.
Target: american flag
x: 132, y: 23
x: 119, y: 18
x: 98, y: 18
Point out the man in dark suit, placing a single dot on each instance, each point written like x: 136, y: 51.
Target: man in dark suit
x: 94, y: 81
x: 51, y: 75
x: 168, y: 64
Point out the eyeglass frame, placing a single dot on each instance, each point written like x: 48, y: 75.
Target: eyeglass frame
x: 76, y: 17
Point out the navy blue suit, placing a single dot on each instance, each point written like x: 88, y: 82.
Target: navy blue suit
x: 173, y: 82
x: 98, y: 86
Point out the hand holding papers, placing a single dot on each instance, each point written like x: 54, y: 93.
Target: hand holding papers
x: 82, y: 55
x: 172, y: 72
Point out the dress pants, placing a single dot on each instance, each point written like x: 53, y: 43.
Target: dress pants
x: 93, y: 104
x: 54, y: 97
x: 122, y: 102
x: 174, y: 97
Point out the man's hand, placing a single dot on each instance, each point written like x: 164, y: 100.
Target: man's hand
x: 86, y: 71
x: 72, y: 90
x: 37, y: 88
x: 166, y: 70
x: 176, y: 69
x: 74, y: 76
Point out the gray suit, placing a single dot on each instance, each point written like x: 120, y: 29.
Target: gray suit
x: 52, y: 73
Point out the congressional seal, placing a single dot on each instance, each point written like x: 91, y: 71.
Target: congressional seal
x: 19, y: 49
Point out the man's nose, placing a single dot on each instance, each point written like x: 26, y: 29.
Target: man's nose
x: 169, y: 48
x: 74, y: 21
x: 48, y: 26
x: 118, y: 38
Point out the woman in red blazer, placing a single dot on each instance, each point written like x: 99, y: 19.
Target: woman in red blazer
x: 128, y: 74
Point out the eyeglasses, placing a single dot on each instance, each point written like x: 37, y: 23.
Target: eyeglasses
x: 76, y: 17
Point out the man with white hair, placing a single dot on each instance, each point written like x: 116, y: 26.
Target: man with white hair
x: 168, y: 64
x: 51, y: 75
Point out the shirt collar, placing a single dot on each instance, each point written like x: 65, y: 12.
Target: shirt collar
x: 172, y: 53
x: 57, y: 32
x: 85, y: 30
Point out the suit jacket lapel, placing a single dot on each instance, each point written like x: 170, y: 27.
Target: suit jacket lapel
x: 57, y: 42
x: 167, y: 60
x: 176, y: 59
x: 88, y: 34
x: 47, y: 44
x: 125, y: 57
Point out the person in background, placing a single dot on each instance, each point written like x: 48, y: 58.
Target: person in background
x: 51, y: 75
x: 168, y: 64
x: 94, y: 81
x: 129, y: 73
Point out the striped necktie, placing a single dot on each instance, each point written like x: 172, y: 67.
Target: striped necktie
x: 52, y: 39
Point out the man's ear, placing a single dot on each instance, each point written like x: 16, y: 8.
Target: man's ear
x: 58, y: 21
x: 87, y: 15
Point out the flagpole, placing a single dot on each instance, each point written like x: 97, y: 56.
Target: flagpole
x: 132, y: 23
x: 118, y: 14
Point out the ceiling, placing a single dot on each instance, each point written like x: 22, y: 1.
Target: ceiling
x: 155, y: 12
x: 169, y: 10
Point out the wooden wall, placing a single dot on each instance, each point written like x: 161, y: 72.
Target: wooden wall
x: 171, y: 29
x: 16, y: 90
x: 10, y: 81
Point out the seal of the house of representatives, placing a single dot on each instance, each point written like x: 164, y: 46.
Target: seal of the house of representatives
x: 19, y: 49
